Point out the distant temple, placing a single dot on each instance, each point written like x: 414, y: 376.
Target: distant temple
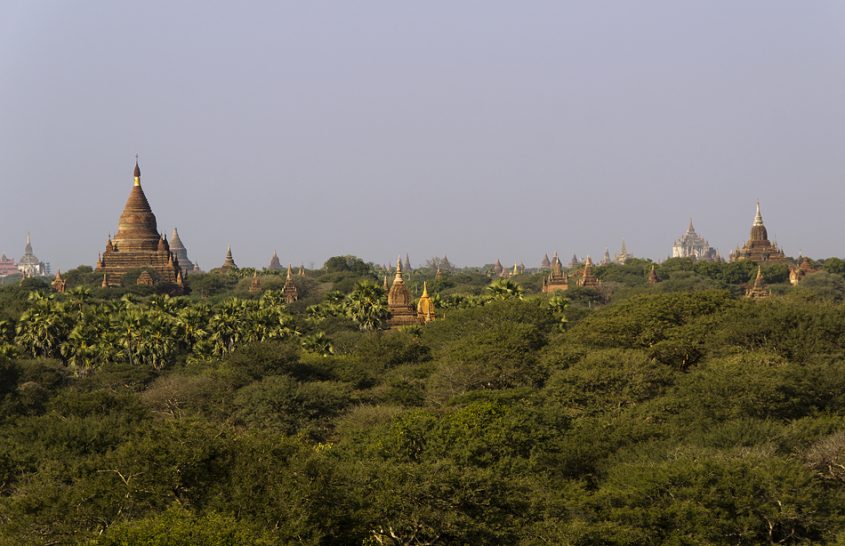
x: 498, y: 269
x: 797, y: 273
x: 275, y: 264
x: 557, y: 280
x: 692, y: 245
x: 758, y: 249
x: 588, y: 279
x: 408, y: 263
x: 651, y: 278
x: 759, y: 289
x: 178, y: 248
x: 228, y: 262
x: 255, y: 284
x: 574, y: 261
x: 7, y: 266
x: 545, y: 263
x: 402, y: 312
x: 425, y: 307
x: 289, y: 290
x: 623, y: 256
x: 59, y: 284
x: 138, y: 245
x: 29, y: 265
x: 606, y: 258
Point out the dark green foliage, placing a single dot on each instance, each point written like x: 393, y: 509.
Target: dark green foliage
x: 667, y: 414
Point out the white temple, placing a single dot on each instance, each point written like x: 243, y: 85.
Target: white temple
x: 29, y: 265
x: 692, y: 245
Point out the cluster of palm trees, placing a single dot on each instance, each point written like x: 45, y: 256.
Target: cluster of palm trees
x: 85, y: 333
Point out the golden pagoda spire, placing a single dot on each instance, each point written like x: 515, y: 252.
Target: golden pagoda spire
x: 425, y: 307
x: 137, y: 173
x: 290, y: 273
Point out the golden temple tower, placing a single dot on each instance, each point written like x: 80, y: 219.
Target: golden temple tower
x: 425, y: 307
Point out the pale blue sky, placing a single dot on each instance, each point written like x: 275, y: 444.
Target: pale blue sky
x: 481, y: 129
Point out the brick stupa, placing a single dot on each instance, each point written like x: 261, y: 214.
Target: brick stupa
x: 137, y: 244
x: 402, y: 312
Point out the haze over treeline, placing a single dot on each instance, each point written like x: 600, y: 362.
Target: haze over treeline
x: 481, y: 130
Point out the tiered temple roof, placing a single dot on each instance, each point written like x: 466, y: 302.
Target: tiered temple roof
x: 399, y: 304
x: 692, y: 245
x: 758, y: 249
x: 137, y: 244
x: 29, y: 265
x: 59, y: 283
x: 588, y: 279
x: 557, y: 280
x: 229, y: 262
x: 759, y: 289
x: 289, y: 290
x: 275, y: 264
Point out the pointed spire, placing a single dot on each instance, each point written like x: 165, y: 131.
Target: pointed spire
x: 229, y: 262
x: 651, y: 278
x: 758, y: 218
x: 290, y: 273
x: 255, y: 285
x: 137, y: 173
x: 690, y: 229
x: 385, y: 286
x: 301, y: 270
x: 398, y: 270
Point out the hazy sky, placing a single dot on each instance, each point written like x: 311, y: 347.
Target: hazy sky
x: 480, y: 129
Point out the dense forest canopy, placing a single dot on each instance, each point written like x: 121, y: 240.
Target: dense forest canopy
x: 635, y: 413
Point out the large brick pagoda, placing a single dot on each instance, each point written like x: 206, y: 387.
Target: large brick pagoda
x: 758, y: 249
x: 137, y: 244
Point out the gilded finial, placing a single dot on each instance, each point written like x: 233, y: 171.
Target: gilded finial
x: 137, y: 173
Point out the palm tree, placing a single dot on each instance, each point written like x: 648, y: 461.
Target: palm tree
x: 504, y: 289
x: 365, y: 305
x: 43, y: 327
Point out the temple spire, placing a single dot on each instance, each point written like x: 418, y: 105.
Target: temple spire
x: 137, y: 173
x: 290, y: 273
x: 398, y: 269
x: 758, y: 218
